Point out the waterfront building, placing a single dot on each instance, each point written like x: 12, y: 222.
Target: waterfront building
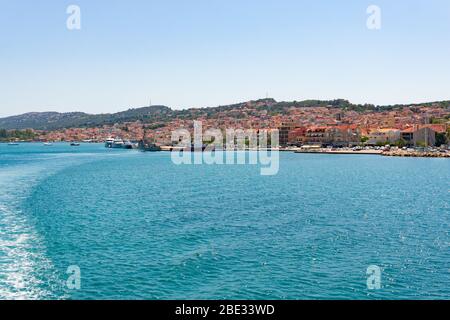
x: 421, y: 135
x: 317, y: 136
x: 383, y: 136
x: 297, y: 136
x: 343, y: 136
x: 284, y: 129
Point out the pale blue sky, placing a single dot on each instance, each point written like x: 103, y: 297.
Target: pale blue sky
x: 201, y: 53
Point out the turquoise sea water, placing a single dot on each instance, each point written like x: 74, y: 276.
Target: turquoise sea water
x: 140, y: 227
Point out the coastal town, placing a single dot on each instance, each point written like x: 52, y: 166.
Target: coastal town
x: 311, y: 128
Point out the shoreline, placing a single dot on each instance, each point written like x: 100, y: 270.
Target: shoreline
x: 362, y: 152
x: 415, y: 154
x: 391, y: 153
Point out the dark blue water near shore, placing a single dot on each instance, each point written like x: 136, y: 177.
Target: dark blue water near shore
x: 140, y: 227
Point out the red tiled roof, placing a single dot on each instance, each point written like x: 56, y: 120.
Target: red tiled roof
x: 439, y: 128
x: 409, y: 130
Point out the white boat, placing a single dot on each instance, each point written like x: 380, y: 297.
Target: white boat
x: 13, y: 144
x: 109, y: 142
x: 116, y: 143
x: 48, y: 144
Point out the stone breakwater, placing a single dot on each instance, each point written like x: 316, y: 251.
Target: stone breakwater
x: 416, y: 154
x: 390, y: 153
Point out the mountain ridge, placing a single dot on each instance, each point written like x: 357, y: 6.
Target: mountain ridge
x: 53, y: 120
x: 56, y: 120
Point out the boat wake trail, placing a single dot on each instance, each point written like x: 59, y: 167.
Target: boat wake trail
x: 25, y: 271
x: 20, y: 256
x: 21, y: 251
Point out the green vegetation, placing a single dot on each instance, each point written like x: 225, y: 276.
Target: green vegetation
x: 439, y: 104
x: 437, y: 121
x: 401, y: 143
x: 25, y: 135
x: 155, y: 126
x: 421, y: 144
x: 441, y: 139
x: 54, y: 120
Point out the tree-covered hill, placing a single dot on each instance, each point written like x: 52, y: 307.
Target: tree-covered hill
x: 55, y: 120
x: 158, y: 115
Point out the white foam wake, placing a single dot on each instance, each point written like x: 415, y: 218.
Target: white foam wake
x: 25, y: 271
x: 21, y: 250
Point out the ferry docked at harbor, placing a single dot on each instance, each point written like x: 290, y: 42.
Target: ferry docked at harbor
x: 117, y: 143
x: 114, y: 143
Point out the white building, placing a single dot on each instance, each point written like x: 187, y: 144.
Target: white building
x: 383, y: 136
